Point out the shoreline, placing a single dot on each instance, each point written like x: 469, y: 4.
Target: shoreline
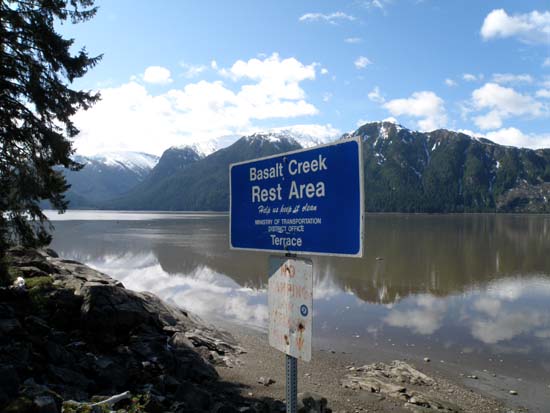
x: 328, y: 370
x: 241, y: 356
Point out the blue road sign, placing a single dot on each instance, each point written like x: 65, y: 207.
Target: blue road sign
x: 308, y: 201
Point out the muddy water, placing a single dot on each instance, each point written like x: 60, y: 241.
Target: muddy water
x: 473, y: 290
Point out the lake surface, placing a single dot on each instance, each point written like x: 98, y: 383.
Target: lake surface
x: 472, y: 289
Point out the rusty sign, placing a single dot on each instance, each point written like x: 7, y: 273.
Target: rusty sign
x: 290, y: 299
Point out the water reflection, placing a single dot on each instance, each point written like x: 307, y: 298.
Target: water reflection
x: 203, y: 290
x: 477, y: 283
x: 425, y: 318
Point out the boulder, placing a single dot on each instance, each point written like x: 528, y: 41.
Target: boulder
x: 312, y: 403
x: 390, y: 380
x: 9, y: 382
x: 35, y: 398
x: 88, y: 335
x: 111, y: 311
x: 194, y: 397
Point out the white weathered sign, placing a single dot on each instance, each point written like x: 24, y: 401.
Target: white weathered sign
x: 290, y: 299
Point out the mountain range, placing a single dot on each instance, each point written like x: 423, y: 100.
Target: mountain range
x: 106, y: 176
x: 405, y: 171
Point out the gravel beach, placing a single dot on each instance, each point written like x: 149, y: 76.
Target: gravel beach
x: 328, y: 369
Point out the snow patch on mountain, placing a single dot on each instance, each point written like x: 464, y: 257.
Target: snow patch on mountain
x: 138, y: 162
x: 207, y: 147
x: 131, y: 160
x: 309, y: 135
x: 306, y: 135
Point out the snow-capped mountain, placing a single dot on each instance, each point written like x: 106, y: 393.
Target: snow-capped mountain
x: 305, y: 135
x: 138, y: 162
x: 106, y: 176
x: 201, y: 184
x: 207, y: 147
x: 308, y: 135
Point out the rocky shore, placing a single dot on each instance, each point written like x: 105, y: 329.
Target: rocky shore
x: 73, y: 339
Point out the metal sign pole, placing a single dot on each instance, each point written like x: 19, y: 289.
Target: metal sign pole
x: 291, y: 374
x: 291, y: 384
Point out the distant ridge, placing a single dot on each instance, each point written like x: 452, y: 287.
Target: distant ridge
x: 405, y: 171
x: 106, y: 176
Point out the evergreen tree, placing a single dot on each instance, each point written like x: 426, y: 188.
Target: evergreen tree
x: 36, y: 105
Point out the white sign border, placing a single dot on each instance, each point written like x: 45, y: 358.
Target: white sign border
x: 359, y: 254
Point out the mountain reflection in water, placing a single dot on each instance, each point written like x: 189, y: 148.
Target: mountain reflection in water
x: 474, y: 283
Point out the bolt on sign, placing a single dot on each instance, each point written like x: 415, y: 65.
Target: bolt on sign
x: 290, y: 299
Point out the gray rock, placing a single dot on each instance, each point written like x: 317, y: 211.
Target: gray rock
x: 266, y: 381
x: 9, y: 380
x: 372, y: 384
x: 96, y: 337
x: 9, y: 326
x: 398, y: 371
x: 45, y: 404
x: 388, y: 379
x: 193, y: 397
x: 68, y: 376
x: 180, y: 341
x: 43, y: 399
x: 51, y: 253
x: 312, y: 403
x: 277, y: 406
x: 30, y: 272
x: 112, y: 311
x: 224, y: 408
x: 36, y: 325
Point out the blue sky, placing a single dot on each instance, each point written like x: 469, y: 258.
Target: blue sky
x: 178, y: 72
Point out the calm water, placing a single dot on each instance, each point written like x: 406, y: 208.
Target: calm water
x: 471, y: 289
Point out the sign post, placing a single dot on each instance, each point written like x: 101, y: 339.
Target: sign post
x: 291, y: 384
x: 308, y: 201
x: 290, y: 300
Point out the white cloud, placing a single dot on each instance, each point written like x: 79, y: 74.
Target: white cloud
x: 450, y: 82
x: 488, y: 305
x: 533, y: 27
x: 324, y: 71
x: 515, y: 137
x: 203, y: 291
x: 376, y: 4
x: 214, y: 65
x: 191, y: 71
x: 362, y: 62
x: 353, y: 40
x: 502, y: 102
x: 157, y: 75
x: 327, y: 96
x: 425, y: 319
x: 272, y: 69
x: 375, y: 95
x: 470, y: 132
x: 546, y: 62
x: 468, y: 77
x: 425, y: 105
x: 331, y: 18
x: 510, y: 78
x: 507, y: 325
x: 543, y: 93
x: 129, y: 117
